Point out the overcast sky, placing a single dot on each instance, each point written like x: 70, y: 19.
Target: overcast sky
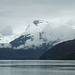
x: 17, y: 14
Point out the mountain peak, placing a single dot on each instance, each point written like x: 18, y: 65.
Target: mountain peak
x: 37, y: 22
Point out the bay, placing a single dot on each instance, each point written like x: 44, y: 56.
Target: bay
x: 37, y: 67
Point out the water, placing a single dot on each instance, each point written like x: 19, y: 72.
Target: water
x: 37, y: 67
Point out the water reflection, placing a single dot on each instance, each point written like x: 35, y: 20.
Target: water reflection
x: 23, y: 67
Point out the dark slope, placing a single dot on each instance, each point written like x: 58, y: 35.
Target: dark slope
x: 64, y: 50
x: 7, y: 53
x: 20, y: 54
x: 30, y: 54
x: 68, y: 56
x: 20, y: 40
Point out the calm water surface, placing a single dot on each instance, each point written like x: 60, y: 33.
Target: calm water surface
x: 37, y: 67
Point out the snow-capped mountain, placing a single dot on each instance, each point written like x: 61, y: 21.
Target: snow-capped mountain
x: 43, y: 34
x: 32, y: 37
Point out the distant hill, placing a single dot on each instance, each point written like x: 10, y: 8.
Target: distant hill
x: 19, y: 54
x: 61, y: 51
x: 10, y: 54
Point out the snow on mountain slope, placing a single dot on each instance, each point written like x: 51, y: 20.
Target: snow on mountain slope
x: 35, y: 31
x: 32, y: 37
x: 35, y: 28
x: 7, y: 39
x: 42, y: 33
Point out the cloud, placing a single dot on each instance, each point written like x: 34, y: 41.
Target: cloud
x: 19, y: 47
x: 61, y: 31
x: 58, y: 31
x: 6, y: 31
x: 20, y: 13
x: 5, y: 45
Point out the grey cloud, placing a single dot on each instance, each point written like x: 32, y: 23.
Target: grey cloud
x: 6, y: 13
x: 6, y: 31
x: 39, y: 8
x: 5, y: 45
x: 14, y: 11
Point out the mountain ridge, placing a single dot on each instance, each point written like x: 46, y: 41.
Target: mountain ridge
x: 60, y: 51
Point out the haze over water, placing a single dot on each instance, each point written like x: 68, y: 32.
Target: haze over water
x: 37, y: 67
